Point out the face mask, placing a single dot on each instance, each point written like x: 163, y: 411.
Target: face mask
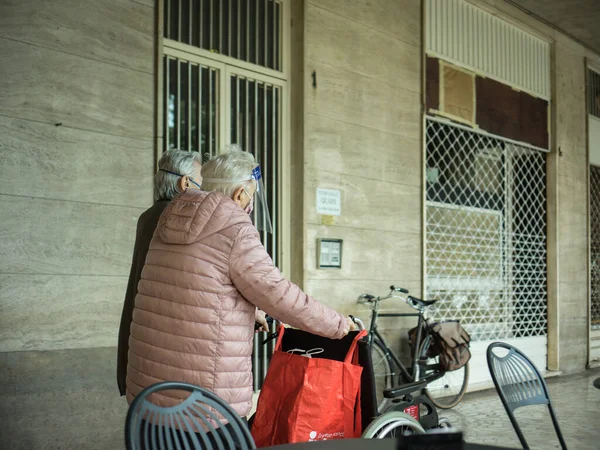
x: 250, y: 207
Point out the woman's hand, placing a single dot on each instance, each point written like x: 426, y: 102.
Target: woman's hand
x: 351, y: 325
x: 261, y: 319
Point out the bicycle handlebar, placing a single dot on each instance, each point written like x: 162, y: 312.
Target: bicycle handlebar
x: 401, y: 290
x: 368, y: 298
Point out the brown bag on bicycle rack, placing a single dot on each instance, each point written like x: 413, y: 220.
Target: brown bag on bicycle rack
x: 431, y: 351
x: 452, y: 342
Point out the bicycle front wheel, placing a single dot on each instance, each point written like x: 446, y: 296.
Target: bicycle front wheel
x: 448, y: 390
x: 383, y: 371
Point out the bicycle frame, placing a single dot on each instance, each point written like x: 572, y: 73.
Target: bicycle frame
x: 374, y: 333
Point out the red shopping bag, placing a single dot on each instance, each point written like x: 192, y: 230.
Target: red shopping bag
x: 309, y: 399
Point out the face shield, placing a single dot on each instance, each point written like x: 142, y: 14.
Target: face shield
x: 260, y: 213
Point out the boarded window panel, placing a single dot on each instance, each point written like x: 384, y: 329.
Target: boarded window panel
x: 458, y: 93
x: 498, y: 108
x: 534, y: 120
x: 512, y: 114
x: 432, y: 84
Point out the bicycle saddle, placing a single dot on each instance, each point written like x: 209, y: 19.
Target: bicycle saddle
x: 420, y: 302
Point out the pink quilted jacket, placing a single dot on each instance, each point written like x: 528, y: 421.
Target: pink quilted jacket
x: 205, y: 274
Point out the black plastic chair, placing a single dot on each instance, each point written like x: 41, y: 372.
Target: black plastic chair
x: 519, y: 383
x: 195, y: 423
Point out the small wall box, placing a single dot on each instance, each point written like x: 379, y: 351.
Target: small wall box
x: 329, y: 253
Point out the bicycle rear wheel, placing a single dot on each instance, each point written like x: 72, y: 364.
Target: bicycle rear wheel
x: 383, y: 371
x: 448, y: 390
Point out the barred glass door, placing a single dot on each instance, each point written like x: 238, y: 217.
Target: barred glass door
x: 254, y: 123
x: 486, y: 238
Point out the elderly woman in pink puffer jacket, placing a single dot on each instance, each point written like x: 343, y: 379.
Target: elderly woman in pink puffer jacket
x: 205, y: 279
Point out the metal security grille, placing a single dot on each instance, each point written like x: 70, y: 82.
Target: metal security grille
x: 191, y: 116
x: 486, y: 232
x: 249, y: 30
x: 256, y: 126
x: 593, y: 90
x: 595, y: 245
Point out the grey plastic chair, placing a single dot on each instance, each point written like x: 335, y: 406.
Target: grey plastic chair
x: 195, y: 423
x: 519, y: 383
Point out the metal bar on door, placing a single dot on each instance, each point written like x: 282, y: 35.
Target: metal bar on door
x: 255, y: 363
x: 273, y: 187
x: 256, y: 32
x: 266, y: 43
x: 264, y: 155
x: 237, y: 111
x: 167, y: 23
x: 256, y: 119
x: 189, y: 107
x: 200, y: 30
x: 210, y: 111
x: 179, y: 21
x: 167, y: 72
x: 220, y: 26
x: 247, y: 115
x: 199, y: 118
x: 190, y: 22
x: 274, y: 37
x: 229, y: 29
x: 178, y: 106
x: 211, y: 27
x: 247, y: 30
x: 239, y: 27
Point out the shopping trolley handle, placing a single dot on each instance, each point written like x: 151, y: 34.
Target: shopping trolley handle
x: 269, y: 320
x: 357, y: 321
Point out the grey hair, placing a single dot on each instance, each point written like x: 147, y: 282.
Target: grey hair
x: 229, y: 171
x: 178, y: 161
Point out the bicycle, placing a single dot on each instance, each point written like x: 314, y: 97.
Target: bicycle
x: 444, y: 389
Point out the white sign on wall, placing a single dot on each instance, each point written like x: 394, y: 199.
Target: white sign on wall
x: 329, y: 202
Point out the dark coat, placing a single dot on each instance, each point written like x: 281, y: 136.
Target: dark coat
x: 145, y: 229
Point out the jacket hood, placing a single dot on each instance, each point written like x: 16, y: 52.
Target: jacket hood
x: 195, y: 214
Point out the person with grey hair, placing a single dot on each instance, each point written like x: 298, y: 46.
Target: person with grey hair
x: 177, y: 172
x: 206, y: 276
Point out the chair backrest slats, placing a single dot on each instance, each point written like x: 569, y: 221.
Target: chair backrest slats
x: 162, y: 432
x: 172, y: 433
x: 200, y: 421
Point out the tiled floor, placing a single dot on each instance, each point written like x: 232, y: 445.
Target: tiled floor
x: 68, y: 400
x: 482, y: 417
